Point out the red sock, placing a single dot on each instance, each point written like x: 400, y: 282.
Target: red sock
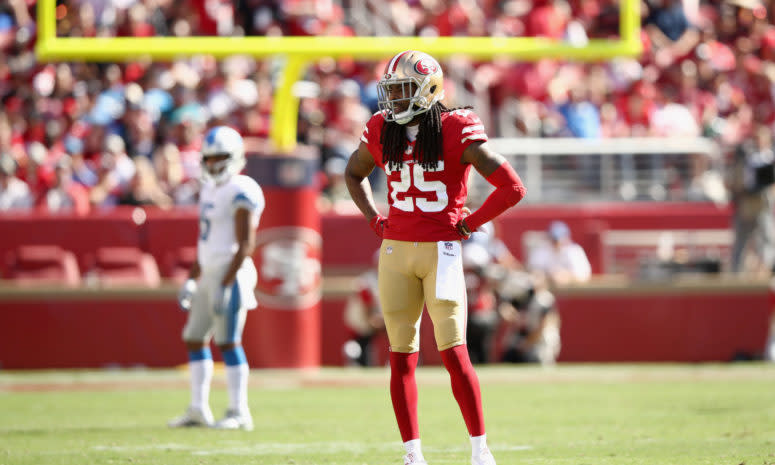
x: 465, y: 387
x: 403, y: 392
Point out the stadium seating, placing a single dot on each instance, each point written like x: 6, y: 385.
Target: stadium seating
x: 125, y: 266
x: 177, y: 263
x: 171, y: 237
x: 81, y: 235
x: 42, y: 265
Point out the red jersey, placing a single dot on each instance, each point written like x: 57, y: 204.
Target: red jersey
x: 426, y: 204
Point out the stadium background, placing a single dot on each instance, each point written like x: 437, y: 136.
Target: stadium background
x: 125, y: 134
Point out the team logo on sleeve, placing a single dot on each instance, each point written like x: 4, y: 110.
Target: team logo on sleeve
x: 425, y: 66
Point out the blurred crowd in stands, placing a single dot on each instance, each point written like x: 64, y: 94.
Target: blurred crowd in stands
x: 87, y: 136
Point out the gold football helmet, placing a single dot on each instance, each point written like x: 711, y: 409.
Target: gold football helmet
x: 412, y: 83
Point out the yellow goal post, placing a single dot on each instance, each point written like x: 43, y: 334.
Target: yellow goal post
x: 299, y: 51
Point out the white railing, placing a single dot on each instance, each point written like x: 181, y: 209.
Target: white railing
x: 622, y: 169
x: 649, y: 254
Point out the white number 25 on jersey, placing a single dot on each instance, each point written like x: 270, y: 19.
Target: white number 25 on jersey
x: 417, y: 176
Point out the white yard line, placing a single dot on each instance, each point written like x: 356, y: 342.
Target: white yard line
x: 328, y: 447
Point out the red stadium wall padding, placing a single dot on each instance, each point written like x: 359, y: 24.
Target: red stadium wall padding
x: 279, y: 334
x: 102, y: 328
x: 53, y: 332
x: 348, y: 241
x: 165, y: 233
x: 335, y: 334
x: 656, y: 327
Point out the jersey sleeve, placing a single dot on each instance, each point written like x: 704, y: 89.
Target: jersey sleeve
x: 371, y: 135
x: 249, y: 196
x: 469, y: 127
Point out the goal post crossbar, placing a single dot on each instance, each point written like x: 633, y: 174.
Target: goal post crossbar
x: 302, y: 50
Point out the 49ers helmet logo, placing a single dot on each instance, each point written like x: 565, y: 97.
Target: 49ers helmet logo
x: 426, y: 66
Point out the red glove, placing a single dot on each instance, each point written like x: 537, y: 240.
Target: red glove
x: 378, y: 224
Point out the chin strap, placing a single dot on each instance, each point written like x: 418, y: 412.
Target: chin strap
x: 406, y: 120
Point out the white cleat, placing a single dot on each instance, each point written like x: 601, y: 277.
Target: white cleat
x: 412, y: 459
x: 192, y: 418
x: 484, y: 458
x: 235, y: 419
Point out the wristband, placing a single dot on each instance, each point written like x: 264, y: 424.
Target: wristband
x: 463, y: 228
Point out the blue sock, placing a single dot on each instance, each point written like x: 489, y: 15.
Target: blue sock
x: 235, y: 356
x: 201, y: 354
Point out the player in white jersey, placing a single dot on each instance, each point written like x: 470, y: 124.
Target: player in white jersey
x: 219, y: 291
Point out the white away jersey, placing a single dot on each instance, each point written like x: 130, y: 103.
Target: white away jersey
x: 217, y: 205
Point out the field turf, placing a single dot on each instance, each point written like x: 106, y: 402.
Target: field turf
x: 566, y: 415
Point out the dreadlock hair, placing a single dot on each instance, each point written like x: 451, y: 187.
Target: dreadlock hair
x: 429, y: 144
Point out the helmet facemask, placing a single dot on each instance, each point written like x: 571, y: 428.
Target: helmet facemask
x: 222, y: 169
x: 216, y: 170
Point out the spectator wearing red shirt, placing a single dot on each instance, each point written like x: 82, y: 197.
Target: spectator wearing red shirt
x: 37, y: 173
x: 547, y: 18
x: 637, y: 107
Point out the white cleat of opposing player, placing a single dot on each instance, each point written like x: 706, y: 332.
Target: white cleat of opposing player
x: 235, y: 420
x: 194, y: 417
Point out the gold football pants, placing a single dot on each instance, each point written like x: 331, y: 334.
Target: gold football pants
x: 407, y: 280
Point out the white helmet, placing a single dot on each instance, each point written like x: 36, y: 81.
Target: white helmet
x: 220, y: 141
x: 410, y: 70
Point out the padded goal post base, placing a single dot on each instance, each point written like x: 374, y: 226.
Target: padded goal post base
x: 285, y: 330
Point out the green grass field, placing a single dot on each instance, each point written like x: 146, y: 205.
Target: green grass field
x: 566, y: 415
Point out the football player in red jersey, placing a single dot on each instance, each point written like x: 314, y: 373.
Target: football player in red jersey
x: 427, y: 152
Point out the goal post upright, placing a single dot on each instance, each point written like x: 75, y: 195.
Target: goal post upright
x: 286, y: 111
